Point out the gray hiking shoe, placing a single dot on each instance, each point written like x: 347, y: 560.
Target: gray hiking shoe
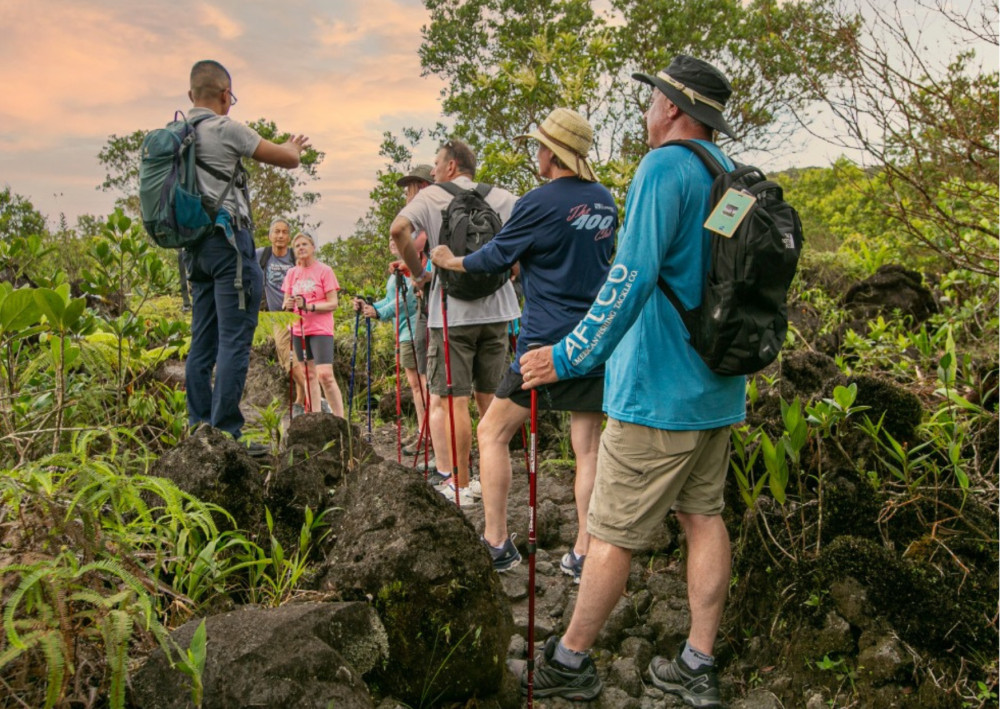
x: 572, y: 565
x: 698, y: 688
x: 505, y: 558
x: 553, y: 679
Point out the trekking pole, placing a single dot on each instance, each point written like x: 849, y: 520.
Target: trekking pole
x: 305, y: 356
x: 512, y: 335
x: 368, y: 327
x: 291, y: 378
x: 399, y: 386
x: 354, y: 358
x: 451, y: 398
x: 532, y: 507
x: 424, y: 397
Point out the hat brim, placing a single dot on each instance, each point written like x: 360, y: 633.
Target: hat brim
x: 706, y: 114
x: 404, y: 181
x: 580, y: 165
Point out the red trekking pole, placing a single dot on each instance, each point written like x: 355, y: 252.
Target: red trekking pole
x: 291, y: 378
x: 532, y: 492
x: 512, y: 335
x: 399, y: 392
x: 305, y: 356
x: 424, y: 396
x: 451, y: 399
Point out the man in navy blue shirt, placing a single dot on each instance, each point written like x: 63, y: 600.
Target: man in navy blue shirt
x: 562, y: 234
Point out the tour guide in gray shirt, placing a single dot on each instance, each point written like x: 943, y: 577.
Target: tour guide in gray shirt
x: 222, y: 331
x: 477, y: 329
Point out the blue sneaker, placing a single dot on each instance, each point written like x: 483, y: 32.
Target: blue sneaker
x: 572, y: 565
x: 504, y: 558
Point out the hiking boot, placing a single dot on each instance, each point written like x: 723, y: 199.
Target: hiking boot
x: 552, y: 679
x: 435, y: 477
x: 572, y: 565
x: 504, y: 558
x: 430, y: 467
x: 464, y: 496
x: 698, y: 688
x: 257, y: 450
x: 298, y: 410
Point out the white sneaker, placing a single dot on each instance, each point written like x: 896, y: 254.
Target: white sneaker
x: 464, y: 496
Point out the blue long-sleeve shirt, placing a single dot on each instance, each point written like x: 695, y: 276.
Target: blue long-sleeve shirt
x: 654, y: 377
x: 562, y: 233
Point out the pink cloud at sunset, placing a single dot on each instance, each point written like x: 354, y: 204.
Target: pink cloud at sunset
x: 340, y: 72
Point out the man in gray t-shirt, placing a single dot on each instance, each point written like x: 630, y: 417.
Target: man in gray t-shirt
x: 276, y: 261
x: 222, y: 319
x: 477, y: 329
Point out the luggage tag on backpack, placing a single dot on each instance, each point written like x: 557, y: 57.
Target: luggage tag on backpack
x: 730, y: 212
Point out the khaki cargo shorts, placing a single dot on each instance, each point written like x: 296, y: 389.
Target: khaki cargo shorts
x: 282, y: 345
x: 643, y: 473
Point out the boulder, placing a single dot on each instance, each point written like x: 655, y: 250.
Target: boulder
x: 216, y: 469
x: 808, y: 375
x: 402, y: 545
x: 892, y: 288
x: 302, y: 655
x: 329, y: 439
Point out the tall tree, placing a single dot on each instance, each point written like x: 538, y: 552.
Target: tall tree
x: 508, y: 62
x: 925, y: 125
x: 120, y: 157
x: 273, y: 191
x: 18, y: 216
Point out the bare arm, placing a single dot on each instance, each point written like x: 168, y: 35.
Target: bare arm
x: 401, y: 232
x: 281, y: 154
x: 442, y: 257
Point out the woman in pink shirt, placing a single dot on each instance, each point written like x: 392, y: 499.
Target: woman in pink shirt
x: 310, y: 289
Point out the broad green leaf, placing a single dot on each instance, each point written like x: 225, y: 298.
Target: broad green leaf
x: 51, y: 305
x: 18, y: 310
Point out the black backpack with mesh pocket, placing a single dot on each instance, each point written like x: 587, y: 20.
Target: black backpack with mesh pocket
x: 469, y: 223
x: 740, y: 326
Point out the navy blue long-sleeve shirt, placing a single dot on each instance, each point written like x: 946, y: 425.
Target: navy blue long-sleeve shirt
x: 562, y: 233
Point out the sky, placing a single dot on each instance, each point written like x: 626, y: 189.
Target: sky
x: 74, y: 72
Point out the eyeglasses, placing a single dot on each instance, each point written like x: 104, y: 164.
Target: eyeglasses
x: 232, y: 97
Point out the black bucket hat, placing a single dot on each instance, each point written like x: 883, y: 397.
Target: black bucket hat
x: 696, y: 87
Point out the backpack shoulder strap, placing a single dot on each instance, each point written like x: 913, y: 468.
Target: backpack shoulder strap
x: 265, y: 256
x: 450, y: 187
x: 714, y: 167
x: 483, y: 189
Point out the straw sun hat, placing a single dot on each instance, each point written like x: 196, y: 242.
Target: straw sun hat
x: 567, y: 134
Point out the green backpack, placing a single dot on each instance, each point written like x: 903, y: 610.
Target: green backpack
x: 173, y: 210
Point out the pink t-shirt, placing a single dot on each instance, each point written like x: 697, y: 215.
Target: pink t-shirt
x: 314, y: 282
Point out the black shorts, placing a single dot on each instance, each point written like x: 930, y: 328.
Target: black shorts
x: 581, y: 394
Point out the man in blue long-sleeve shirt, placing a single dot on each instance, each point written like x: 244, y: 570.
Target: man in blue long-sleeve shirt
x: 666, y: 444
x: 562, y: 234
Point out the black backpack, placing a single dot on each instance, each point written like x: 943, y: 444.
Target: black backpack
x: 740, y: 326
x: 468, y: 223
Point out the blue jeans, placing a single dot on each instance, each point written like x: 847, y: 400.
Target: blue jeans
x: 221, y: 333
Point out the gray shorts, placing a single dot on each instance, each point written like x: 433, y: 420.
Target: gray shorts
x: 478, y: 357
x: 319, y: 348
